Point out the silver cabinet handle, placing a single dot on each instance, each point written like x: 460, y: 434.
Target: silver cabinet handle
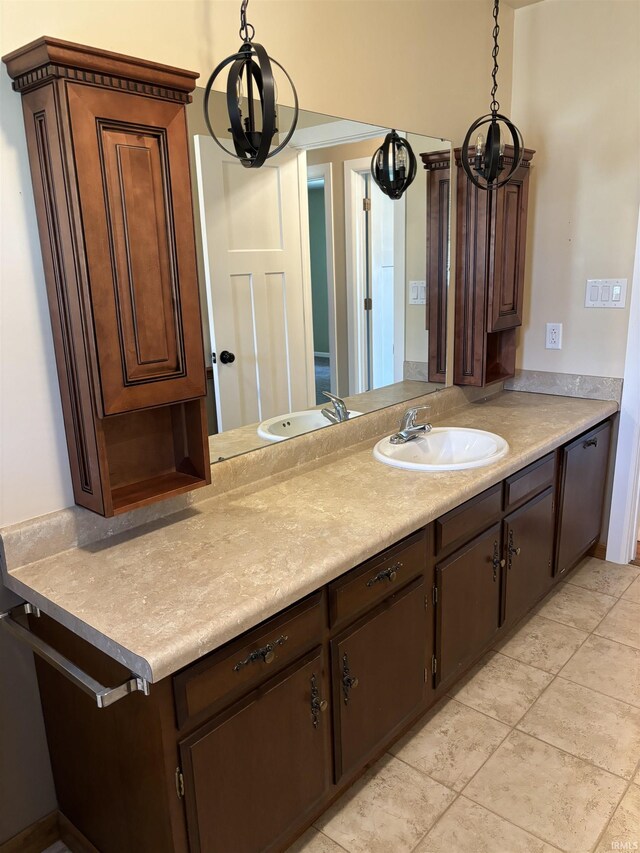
x: 103, y: 696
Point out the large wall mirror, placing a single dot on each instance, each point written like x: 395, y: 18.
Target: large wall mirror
x: 314, y: 280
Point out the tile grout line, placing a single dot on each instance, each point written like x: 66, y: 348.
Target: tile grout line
x: 439, y: 818
x: 608, y: 823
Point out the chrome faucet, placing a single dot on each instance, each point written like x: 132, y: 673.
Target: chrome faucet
x: 339, y: 412
x: 409, y: 429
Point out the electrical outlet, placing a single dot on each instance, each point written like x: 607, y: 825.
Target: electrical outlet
x: 554, y: 336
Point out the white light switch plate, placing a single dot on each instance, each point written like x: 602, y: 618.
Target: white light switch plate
x: 606, y: 293
x: 417, y: 293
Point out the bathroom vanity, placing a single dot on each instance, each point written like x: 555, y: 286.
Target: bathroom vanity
x: 241, y: 744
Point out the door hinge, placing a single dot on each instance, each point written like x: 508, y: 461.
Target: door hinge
x: 435, y: 595
x: 368, y: 303
x: 434, y: 665
x: 179, y: 783
x: 426, y: 602
x: 426, y: 675
x: 366, y: 204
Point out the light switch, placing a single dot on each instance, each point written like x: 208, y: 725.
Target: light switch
x: 417, y: 293
x: 606, y: 293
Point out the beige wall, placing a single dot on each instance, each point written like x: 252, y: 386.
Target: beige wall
x: 576, y: 98
x: 430, y: 76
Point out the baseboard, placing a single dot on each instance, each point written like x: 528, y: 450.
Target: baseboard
x: 599, y: 550
x: 35, y: 838
x: 73, y: 838
x: 45, y: 832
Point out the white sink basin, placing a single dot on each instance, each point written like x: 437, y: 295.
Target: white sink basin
x: 443, y: 449
x: 295, y: 423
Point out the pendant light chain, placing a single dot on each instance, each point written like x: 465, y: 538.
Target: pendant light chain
x: 487, y: 164
x: 244, y: 26
x: 495, y: 105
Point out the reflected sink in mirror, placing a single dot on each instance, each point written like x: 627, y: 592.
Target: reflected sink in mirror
x: 295, y: 423
x: 443, y: 449
x: 292, y: 311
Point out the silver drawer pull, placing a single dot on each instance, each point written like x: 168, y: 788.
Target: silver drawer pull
x: 389, y: 574
x: 267, y: 654
x: 103, y: 696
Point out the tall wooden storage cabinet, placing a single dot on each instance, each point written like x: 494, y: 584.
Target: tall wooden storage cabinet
x: 490, y: 254
x: 108, y: 150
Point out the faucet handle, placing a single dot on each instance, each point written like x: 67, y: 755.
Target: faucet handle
x: 332, y: 397
x: 409, y: 417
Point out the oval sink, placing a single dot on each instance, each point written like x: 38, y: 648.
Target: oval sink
x: 295, y: 423
x: 443, y: 449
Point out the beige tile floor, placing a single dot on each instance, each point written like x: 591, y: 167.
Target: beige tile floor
x: 536, y: 751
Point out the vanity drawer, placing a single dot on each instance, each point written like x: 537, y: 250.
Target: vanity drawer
x: 530, y: 481
x: 462, y: 523
x: 378, y: 578
x: 242, y: 664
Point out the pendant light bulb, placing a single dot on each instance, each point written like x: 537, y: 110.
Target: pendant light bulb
x: 251, y: 79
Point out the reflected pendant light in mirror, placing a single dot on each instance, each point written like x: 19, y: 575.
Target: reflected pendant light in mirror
x: 251, y: 86
x: 486, y: 169
x: 393, y: 166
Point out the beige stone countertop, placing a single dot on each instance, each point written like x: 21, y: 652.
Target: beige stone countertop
x: 161, y: 596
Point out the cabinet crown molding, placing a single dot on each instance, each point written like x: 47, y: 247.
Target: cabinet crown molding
x: 47, y: 58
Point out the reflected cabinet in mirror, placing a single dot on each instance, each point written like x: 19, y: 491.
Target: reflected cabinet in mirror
x: 316, y: 282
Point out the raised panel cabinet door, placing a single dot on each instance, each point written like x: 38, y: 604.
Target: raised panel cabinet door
x: 583, y: 474
x: 135, y: 197
x: 528, y: 542
x: 253, y: 773
x: 468, y: 602
x: 507, y: 253
x: 379, y: 674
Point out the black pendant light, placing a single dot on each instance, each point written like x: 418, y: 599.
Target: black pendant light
x: 251, y: 80
x: 393, y: 166
x: 486, y: 170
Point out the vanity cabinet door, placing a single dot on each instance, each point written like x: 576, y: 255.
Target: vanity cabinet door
x: 253, y: 774
x: 135, y: 195
x: 583, y: 474
x: 468, y: 603
x: 506, y: 254
x: 528, y: 542
x: 379, y: 675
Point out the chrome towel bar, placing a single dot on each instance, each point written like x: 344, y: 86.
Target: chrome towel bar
x: 104, y: 696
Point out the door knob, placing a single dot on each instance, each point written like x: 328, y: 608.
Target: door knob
x: 227, y: 357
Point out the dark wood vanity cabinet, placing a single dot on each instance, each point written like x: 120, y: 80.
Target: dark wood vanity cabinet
x: 108, y: 150
x: 494, y: 564
x: 255, y: 772
x: 379, y: 670
x: 528, y: 546
x: 583, y: 471
x: 490, y: 254
x: 243, y: 749
x: 467, y: 600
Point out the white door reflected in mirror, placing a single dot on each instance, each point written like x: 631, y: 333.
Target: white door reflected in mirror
x: 258, y: 283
